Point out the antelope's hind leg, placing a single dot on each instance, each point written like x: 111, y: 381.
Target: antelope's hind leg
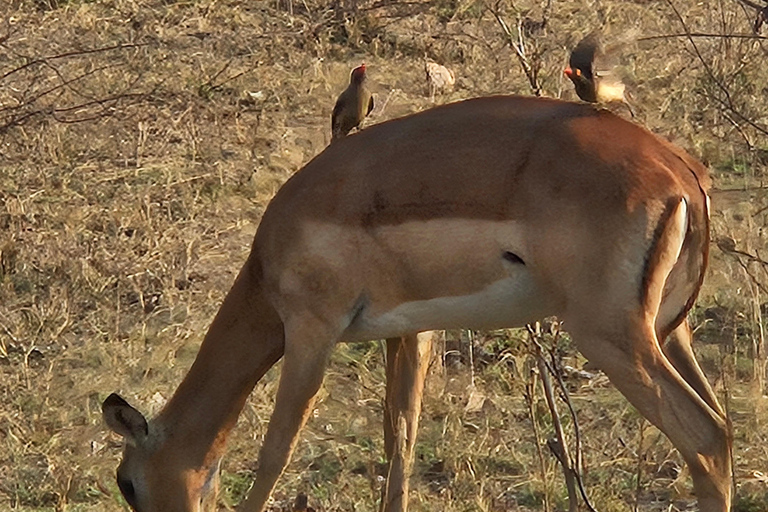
x: 635, y: 364
x: 679, y: 350
x: 308, y: 344
x: 408, y: 360
x: 614, y: 326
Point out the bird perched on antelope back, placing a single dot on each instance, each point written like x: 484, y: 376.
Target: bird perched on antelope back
x: 353, y: 105
x: 593, y: 75
x: 439, y: 78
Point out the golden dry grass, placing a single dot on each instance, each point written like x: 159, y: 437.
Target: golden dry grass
x: 132, y: 180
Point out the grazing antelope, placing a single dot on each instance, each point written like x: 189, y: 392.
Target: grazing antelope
x: 483, y: 214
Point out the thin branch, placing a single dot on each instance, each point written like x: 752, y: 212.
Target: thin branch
x: 65, y: 83
x: 77, y: 53
x: 56, y: 113
x: 530, y: 400
x: 558, y: 446
x: 579, y: 464
x: 740, y: 130
x: 753, y: 5
x: 552, y: 368
x: 752, y: 277
x: 518, y: 45
x: 729, y: 104
x: 639, y: 469
x: 702, y: 35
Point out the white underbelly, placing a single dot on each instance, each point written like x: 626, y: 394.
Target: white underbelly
x: 510, y: 302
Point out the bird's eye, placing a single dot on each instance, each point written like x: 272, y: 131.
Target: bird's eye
x: 129, y: 493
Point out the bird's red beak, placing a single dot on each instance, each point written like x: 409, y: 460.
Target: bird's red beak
x: 571, y: 73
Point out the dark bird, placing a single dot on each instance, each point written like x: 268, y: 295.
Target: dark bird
x: 353, y: 105
x: 593, y: 77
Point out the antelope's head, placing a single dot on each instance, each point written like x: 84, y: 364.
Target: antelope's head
x: 153, y: 477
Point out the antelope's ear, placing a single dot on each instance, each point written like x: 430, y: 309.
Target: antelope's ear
x: 123, y: 419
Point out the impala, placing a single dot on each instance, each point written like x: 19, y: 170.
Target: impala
x: 483, y: 214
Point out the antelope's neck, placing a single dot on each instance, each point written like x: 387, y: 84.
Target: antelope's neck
x: 243, y: 342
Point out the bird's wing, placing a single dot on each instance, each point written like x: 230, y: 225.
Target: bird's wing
x: 601, y: 56
x: 337, y: 109
x: 584, y: 54
x: 612, y: 49
x: 370, y: 105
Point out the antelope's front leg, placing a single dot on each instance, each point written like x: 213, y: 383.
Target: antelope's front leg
x: 308, y: 344
x: 407, y: 364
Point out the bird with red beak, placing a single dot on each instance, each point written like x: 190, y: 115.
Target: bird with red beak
x: 353, y: 105
x: 594, y: 79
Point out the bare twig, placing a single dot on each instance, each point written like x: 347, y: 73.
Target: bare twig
x: 702, y: 35
x: 59, y: 114
x: 518, y: 46
x: 558, y: 445
x: 758, y: 341
x: 728, y: 246
x: 727, y: 369
x: 639, y: 473
x: 579, y: 462
x: 575, y: 464
x: 728, y: 103
x: 216, y: 75
x: 761, y: 16
x: 471, y: 337
x: 78, y: 53
x: 64, y: 83
x: 753, y: 4
x: 530, y: 401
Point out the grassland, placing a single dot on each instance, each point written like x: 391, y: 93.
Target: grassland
x: 141, y: 140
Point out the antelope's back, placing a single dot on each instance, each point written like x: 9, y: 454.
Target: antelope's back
x: 494, y: 158
x: 501, y: 158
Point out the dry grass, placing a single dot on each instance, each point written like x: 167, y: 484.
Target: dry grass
x: 132, y: 180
